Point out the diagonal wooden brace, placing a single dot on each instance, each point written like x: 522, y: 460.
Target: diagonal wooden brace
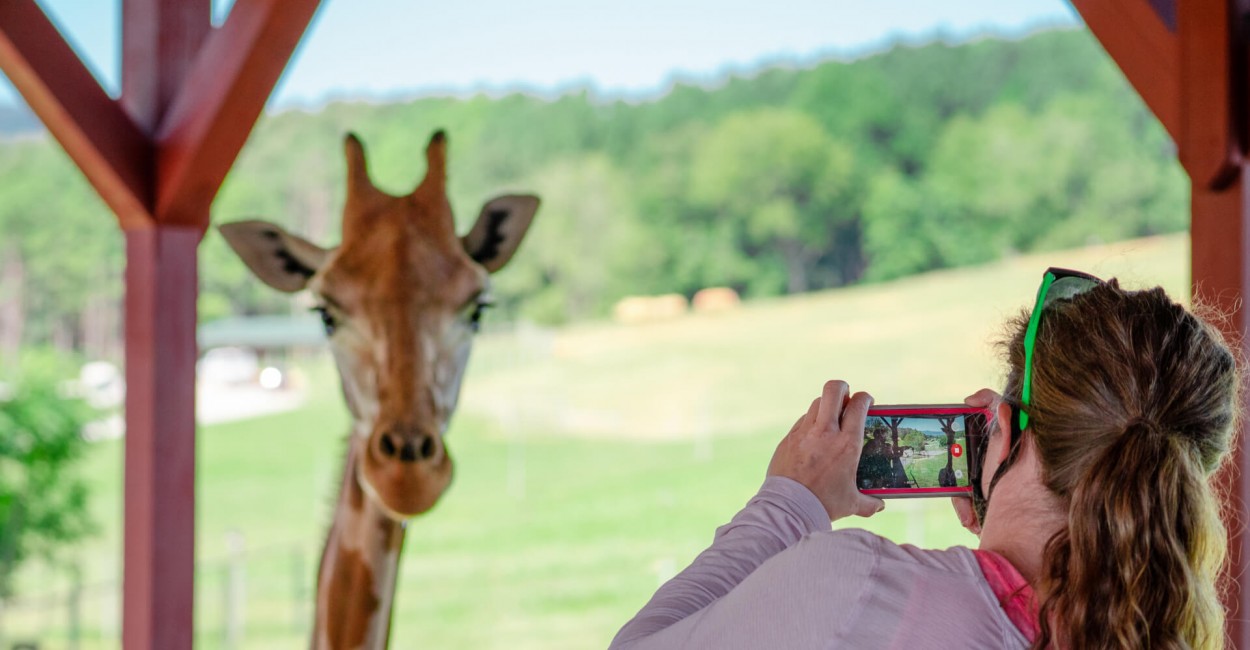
x: 1145, y: 49
x: 220, y: 100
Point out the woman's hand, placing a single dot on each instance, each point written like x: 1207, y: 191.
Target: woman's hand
x: 822, y: 451
x: 983, y: 399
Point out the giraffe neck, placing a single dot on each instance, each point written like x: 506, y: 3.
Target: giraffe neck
x: 356, y: 581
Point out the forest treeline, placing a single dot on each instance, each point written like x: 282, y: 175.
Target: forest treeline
x: 786, y: 180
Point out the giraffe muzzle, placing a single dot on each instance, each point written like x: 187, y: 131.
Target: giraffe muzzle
x: 405, y: 469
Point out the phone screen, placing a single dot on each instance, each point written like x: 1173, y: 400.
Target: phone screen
x: 917, y: 451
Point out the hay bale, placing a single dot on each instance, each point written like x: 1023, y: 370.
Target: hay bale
x: 633, y: 310
x: 716, y: 299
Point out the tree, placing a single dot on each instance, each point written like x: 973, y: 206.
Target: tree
x: 59, y: 237
x: 584, y: 248
x: 784, y: 189
x: 774, y: 180
x: 43, y: 501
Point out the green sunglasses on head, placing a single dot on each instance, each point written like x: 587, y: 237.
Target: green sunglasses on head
x: 1057, y: 284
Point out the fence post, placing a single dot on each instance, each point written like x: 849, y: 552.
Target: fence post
x: 235, y: 589
x: 74, y: 606
x: 299, y: 599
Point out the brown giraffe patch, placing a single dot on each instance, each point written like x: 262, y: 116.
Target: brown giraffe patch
x: 393, y: 532
x: 352, y: 582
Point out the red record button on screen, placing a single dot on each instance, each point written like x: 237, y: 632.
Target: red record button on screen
x: 957, y: 450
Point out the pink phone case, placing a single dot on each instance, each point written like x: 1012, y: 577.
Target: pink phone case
x: 961, y: 457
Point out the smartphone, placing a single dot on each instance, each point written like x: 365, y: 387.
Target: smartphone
x: 922, y: 450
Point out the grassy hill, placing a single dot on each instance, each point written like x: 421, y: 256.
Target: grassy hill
x: 593, y: 461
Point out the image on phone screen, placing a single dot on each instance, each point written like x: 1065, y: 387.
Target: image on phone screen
x: 911, y: 453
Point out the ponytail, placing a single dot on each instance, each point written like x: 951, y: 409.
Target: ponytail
x: 1134, y: 407
x: 1137, y: 564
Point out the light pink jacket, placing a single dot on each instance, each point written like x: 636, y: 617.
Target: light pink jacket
x: 776, y: 576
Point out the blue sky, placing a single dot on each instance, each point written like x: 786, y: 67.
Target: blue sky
x: 382, y: 48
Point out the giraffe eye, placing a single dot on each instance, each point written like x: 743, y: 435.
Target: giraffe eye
x: 327, y: 319
x: 475, y: 316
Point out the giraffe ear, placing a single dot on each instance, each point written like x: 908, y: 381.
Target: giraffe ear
x: 280, y: 259
x: 499, y: 229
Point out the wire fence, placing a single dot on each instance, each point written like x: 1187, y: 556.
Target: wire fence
x: 250, y: 598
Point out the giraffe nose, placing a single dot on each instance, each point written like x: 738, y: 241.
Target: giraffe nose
x: 407, y: 448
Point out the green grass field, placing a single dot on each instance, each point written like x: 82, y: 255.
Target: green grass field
x: 593, y: 461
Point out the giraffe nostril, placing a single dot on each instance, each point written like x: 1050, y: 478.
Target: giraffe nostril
x: 411, y: 448
x: 387, y: 445
x: 408, y: 453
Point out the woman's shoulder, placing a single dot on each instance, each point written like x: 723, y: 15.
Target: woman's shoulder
x: 863, y: 544
x: 878, y: 576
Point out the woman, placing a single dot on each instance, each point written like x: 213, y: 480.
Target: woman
x: 1099, y: 528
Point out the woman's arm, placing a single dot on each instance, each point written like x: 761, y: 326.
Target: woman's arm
x: 779, y: 515
x: 811, y: 480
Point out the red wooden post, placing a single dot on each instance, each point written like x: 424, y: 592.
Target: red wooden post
x: 1211, y: 124
x: 161, y: 351
x: 160, y: 437
x: 160, y: 39
x: 1221, y: 277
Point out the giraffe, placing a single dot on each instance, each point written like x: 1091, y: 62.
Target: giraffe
x: 400, y: 299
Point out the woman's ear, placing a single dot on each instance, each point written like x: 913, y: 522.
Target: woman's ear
x: 1004, y: 430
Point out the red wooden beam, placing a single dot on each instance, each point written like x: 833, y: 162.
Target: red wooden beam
x: 221, y: 99
x: 112, y: 152
x: 1207, y: 139
x: 1133, y: 34
x: 160, y: 438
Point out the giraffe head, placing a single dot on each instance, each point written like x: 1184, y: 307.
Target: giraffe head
x: 400, y: 298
